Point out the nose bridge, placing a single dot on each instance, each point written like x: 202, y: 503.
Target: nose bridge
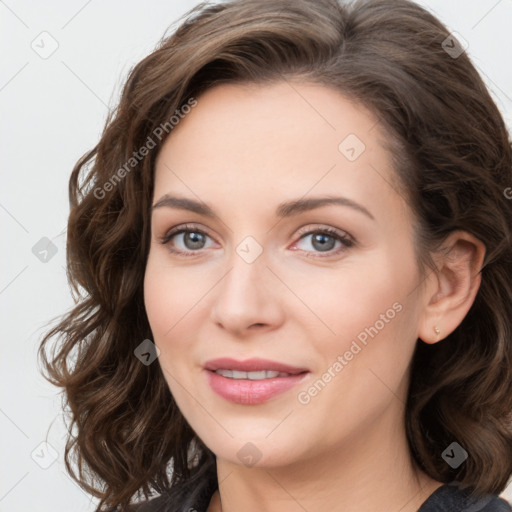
x: 245, y: 281
x: 245, y: 295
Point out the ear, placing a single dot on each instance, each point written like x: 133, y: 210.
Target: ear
x: 452, y: 287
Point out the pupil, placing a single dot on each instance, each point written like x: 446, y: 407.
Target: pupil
x: 319, y: 237
x: 195, y: 240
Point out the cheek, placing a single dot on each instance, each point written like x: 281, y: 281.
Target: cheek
x: 161, y: 296
x: 371, y: 316
x: 176, y: 302
x: 351, y: 301
x: 168, y: 293
x: 154, y: 296
x: 368, y: 334
x: 166, y: 309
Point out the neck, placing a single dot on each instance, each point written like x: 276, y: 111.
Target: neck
x: 372, y: 471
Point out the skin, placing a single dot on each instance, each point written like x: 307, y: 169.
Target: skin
x: 243, y: 150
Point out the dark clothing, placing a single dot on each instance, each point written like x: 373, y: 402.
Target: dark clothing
x: 447, y: 498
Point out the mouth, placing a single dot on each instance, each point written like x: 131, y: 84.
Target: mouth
x: 252, y: 381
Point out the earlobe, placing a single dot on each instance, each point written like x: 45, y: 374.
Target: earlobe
x: 453, y: 286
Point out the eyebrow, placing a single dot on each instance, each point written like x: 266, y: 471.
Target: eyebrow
x: 286, y: 209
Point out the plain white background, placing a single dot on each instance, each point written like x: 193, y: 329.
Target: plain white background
x: 53, y: 109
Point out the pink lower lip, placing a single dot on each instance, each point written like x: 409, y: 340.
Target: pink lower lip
x: 250, y: 392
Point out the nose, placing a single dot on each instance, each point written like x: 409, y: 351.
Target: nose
x: 248, y: 298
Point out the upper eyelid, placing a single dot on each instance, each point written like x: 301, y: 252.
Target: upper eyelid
x: 186, y: 227
x: 309, y: 229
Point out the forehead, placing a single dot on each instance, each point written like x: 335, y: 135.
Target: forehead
x: 278, y: 139
x: 277, y: 114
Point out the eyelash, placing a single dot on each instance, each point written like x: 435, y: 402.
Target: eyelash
x: 337, y: 235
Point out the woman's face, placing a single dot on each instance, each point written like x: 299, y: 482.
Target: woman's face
x: 253, y: 281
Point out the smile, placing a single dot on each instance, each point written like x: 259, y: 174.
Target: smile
x: 251, y: 388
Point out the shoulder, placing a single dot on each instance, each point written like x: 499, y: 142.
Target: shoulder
x: 166, y: 503
x: 495, y: 504
x: 451, y: 498
x: 158, y: 504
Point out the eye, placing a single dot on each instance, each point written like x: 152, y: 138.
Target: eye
x: 188, y: 238
x: 191, y: 239
x: 323, y: 240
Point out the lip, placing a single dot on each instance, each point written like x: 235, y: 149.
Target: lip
x: 252, y: 365
x: 251, y: 392
x: 248, y: 391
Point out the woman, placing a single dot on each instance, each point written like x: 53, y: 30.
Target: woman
x: 294, y: 243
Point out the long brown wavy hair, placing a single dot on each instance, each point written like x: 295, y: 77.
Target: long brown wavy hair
x: 453, y: 160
